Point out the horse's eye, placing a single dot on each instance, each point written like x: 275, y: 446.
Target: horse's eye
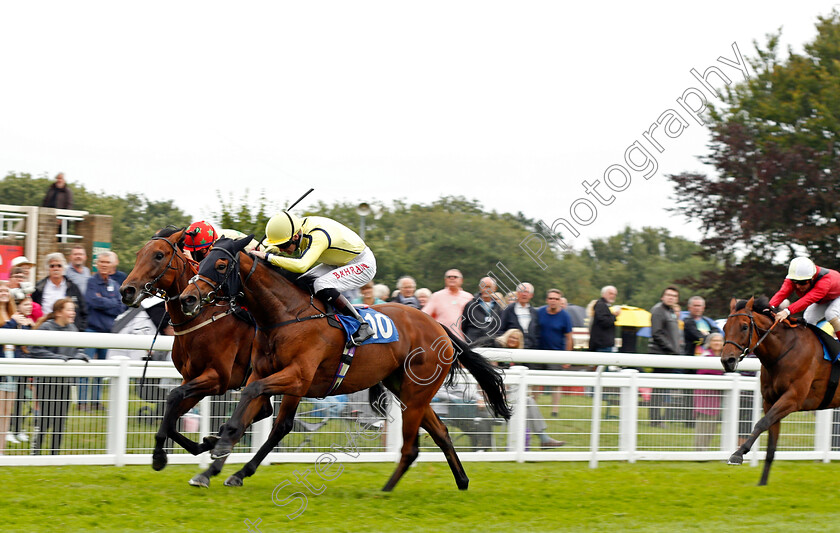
x: 744, y: 327
x: 221, y: 267
x: 158, y: 256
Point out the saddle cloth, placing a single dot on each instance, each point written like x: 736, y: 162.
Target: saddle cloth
x: 384, y: 330
x: 831, y: 347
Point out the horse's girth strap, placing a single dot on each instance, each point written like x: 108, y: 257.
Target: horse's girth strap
x: 343, y: 368
x: 833, y: 380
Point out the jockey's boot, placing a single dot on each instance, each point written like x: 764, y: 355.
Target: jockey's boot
x: 332, y: 296
x: 835, y: 323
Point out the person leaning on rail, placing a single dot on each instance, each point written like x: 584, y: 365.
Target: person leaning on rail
x: 344, y: 262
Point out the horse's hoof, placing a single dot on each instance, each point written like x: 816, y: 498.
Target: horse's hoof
x: 200, y: 480
x: 159, y: 460
x: 209, y: 443
x: 220, y: 452
x: 735, y: 460
x: 233, y: 481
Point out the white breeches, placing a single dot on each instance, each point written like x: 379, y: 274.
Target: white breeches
x: 353, y: 275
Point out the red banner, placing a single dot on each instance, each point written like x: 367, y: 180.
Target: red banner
x: 7, y: 253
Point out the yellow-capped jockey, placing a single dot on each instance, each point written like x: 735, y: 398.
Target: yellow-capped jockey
x: 343, y: 260
x: 818, y: 290
x: 201, y: 235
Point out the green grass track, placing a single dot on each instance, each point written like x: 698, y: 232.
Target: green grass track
x: 615, y: 497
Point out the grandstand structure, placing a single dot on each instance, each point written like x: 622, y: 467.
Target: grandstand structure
x: 37, y: 231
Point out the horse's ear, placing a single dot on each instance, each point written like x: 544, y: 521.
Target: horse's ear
x: 243, y: 242
x: 180, y: 236
x: 732, y: 303
x: 750, y: 302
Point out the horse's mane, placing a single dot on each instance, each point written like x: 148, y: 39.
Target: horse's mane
x: 292, y: 277
x: 168, y: 231
x: 761, y: 305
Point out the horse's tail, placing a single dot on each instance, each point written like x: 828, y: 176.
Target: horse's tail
x: 489, y: 377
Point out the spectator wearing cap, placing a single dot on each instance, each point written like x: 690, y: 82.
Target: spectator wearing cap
x: 77, y: 272
x: 20, y: 287
x: 56, y: 286
x: 24, y: 263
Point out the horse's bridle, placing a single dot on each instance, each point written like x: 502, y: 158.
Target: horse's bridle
x: 150, y: 288
x: 213, y: 296
x: 753, y: 325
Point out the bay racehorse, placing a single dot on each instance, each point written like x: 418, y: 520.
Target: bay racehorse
x: 794, y: 374
x: 305, y: 353
x: 212, y: 350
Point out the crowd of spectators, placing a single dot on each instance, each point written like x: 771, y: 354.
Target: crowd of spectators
x: 69, y: 298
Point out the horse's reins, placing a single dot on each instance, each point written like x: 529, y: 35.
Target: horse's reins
x: 753, y: 325
x: 212, y: 296
x: 151, y: 349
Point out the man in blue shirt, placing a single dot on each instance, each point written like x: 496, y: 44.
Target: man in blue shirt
x: 555, y: 323
x: 103, y: 300
x: 555, y: 327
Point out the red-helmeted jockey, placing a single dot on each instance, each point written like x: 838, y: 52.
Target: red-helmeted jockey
x: 201, y: 235
x: 818, y: 290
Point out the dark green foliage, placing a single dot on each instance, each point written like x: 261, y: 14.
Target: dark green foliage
x: 775, y: 192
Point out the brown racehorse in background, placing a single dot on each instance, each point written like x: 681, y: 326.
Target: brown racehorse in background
x: 212, y: 356
x: 305, y: 351
x: 794, y: 374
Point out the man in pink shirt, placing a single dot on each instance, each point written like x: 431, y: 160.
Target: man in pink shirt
x: 447, y: 304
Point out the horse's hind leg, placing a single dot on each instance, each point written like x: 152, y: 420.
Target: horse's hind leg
x: 437, y: 429
x: 282, y: 426
x: 772, y: 439
x: 412, y: 417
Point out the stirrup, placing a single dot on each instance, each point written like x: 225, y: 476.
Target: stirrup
x: 361, y: 335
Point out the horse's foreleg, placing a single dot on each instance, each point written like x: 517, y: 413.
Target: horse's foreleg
x: 772, y: 439
x: 179, y: 401
x: 282, y: 426
x: 784, y: 406
x: 176, y: 406
x: 437, y: 429
x: 203, y: 479
x: 284, y: 382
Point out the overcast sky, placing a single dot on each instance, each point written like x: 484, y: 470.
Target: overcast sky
x: 513, y: 104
